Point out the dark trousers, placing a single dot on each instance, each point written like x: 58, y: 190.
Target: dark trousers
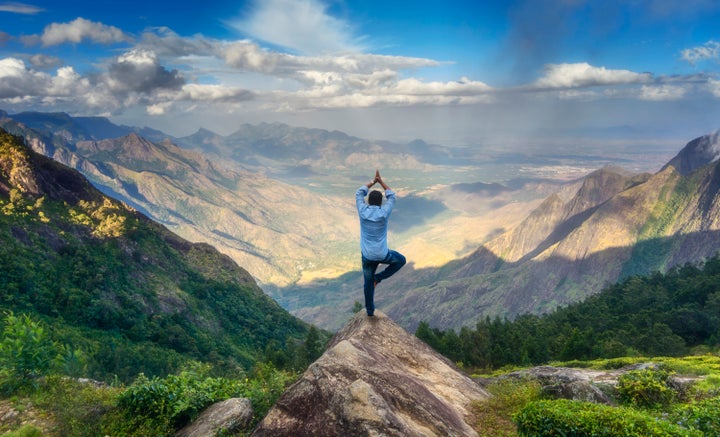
x: 394, y: 261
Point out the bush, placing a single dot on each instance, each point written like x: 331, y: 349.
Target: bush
x: 647, y: 388
x: 26, y: 353
x: 580, y: 419
x: 158, y: 406
x: 73, y: 404
x: 176, y: 399
x: 703, y: 416
x: 25, y: 431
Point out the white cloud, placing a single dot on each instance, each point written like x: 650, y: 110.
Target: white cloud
x: 19, y: 81
x: 708, y: 51
x: 662, y: 92
x: 16, y: 80
x: 19, y: 8
x: 714, y: 87
x: 585, y: 75
x: 79, y: 29
x: 212, y: 93
x: 303, y: 26
x: 248, y: 56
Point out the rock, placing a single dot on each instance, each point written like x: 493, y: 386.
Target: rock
x: 227, y: 416
x: 375, y: 379
x: 568, y: 383
x: 585, y: 384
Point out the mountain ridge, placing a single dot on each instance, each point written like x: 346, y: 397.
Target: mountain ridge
x: 642, y: 224
x: 134, y: 296
x: 234, y: 209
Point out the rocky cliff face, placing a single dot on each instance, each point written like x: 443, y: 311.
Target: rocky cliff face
x: 376, y: 379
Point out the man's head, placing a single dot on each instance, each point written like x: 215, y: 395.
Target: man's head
x: 375, y: 198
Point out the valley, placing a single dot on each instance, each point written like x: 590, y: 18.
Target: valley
x: 278, y: 200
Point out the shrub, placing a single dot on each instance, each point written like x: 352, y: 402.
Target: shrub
x: 74, y: 404
x: 176, y: 399
x: 158, y: 406
x: 580, y: 419
x: 26, y: 353
x: 24, y: 431
x: 703, y: 416
x: 647, y: 388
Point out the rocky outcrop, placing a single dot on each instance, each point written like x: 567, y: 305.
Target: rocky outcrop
x: 376, y: 379
x: 585, y: 385
x: 227, y: 416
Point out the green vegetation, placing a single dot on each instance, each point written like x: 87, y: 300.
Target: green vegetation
x: 64, y: 406
x: 667, y: 314
x: 568, y: 418
x: 494, y: 417
x: 122, y: 294
x: 648, y: 402
x: 672, y: 317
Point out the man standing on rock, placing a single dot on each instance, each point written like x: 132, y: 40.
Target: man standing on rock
x: 374, y: 218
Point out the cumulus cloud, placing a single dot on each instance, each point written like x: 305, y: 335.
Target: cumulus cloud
x: 19, y: 81
x: 80, y: 29
x: 303, y: 26
x: 585, y: 75
x: 708, y: 51
x: 140, y: 71
x: 19, y: 8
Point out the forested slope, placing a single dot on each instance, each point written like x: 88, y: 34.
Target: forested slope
x: 655, y: 315
x: 124, y: 290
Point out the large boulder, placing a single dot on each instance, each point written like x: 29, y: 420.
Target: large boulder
x: 376, y: 379
x: 227, y: 416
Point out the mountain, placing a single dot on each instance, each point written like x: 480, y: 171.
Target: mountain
x: 614, y: 226
x: 284, y: 150
x: 79, y: 128
x: 591, y: 233
x: 133, y: 296
x: 376, y: 379
x: 275, y: 230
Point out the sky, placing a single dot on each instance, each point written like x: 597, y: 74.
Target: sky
x: 450, y: 72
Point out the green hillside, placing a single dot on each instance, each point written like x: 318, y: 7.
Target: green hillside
x: 132, y: 296
x: 667, y: 314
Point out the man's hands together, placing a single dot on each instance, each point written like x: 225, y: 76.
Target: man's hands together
x: 378, y: 180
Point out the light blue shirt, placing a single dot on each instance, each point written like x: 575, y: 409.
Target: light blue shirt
x: 374, y: 224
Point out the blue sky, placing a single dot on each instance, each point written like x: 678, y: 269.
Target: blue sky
x: 455, y: 72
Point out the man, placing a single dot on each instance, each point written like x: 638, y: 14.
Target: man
x: 374, y: 218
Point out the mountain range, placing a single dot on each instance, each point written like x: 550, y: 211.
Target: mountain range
x: 252, y: 218
x: 613, y: 226
x: 269, y: 195
x: 587, y: 235
x: 276, y: 198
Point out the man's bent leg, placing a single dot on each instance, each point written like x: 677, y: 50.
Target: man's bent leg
x: 369, y: 268
x: 395, y: 261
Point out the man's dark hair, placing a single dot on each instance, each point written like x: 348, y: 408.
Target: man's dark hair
x: 375, y: 198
